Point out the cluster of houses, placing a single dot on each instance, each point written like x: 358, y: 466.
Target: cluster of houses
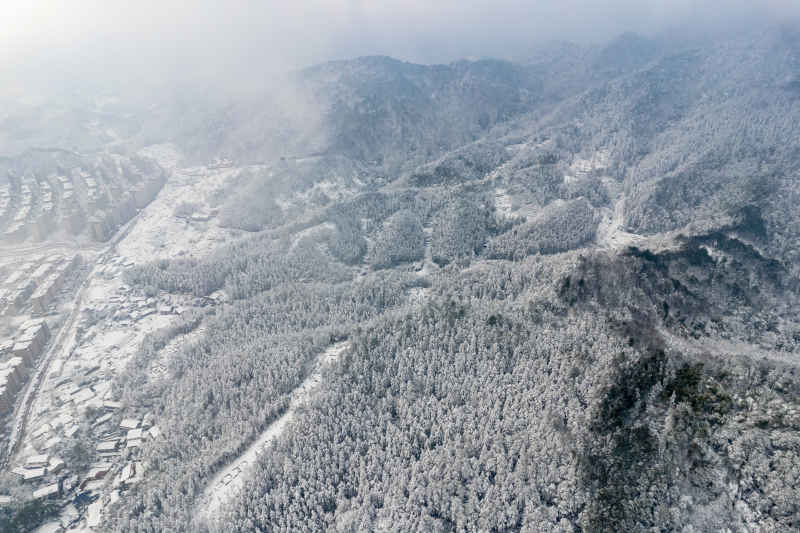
x: 94, y: 196
x: 35, y: 209
x: 131, y: 434
x: 52, y: 478
x: 126, y: 307
x: 42, y: 470
x: 115, y: 442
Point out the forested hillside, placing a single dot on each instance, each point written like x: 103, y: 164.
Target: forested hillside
x: 569, y: 287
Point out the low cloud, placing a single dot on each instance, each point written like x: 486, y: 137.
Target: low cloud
x: 242, y: 41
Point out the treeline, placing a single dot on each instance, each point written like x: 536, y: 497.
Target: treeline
x: 243, y: 269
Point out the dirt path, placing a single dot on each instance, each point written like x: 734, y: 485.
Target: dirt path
x: 226, y: 485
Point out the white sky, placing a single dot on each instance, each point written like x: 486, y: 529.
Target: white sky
x: 64, y: 38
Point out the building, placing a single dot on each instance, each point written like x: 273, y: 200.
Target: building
x: 100, y: 226
x: 5, y: 347
x: 55, y: 466
x: 47, y: 290
x: 129, y: 423
x: 24, y: 350
x: 108, y: 446
x: 42, y: 270
x: 102, y: 419
x: 12, y: 378
x: 37, y: 461
x: 13, y: 373
x: 23, y: 291
x: 94, y: 514
x: 41, y: 430
x: 36, y: 327
x: 32, y: 341
x: 146, y: 191
x: 75, y: 219
x: 127, y: 475
x: 33, y: 474
x: 124, y: 210
x: 83, y: 395
x: 47, y: 491
x: 98, y: 471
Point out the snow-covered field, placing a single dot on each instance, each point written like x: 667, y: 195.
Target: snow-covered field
x: 159, y: 234
x: 502, y: 202
x: 610, y: 232
x: 580, y: 168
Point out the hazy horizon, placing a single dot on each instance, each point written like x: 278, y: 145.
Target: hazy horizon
x: 57, y: 46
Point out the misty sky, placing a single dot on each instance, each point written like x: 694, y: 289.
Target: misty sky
x: 163, y: 38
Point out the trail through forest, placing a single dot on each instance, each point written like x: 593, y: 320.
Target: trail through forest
x: 223, y: 488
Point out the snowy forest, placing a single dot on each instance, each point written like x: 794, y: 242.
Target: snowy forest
x: 583, y: 320
x: 566, y: 291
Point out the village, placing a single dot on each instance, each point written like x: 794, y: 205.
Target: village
x: 70, y: 325
x: 74, y: 417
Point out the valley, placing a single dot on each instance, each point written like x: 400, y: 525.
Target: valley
x: 554, y: 294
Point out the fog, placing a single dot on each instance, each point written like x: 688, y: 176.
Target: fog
x: 57, y: 45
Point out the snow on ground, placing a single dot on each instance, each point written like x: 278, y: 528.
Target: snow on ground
x: 428, y: 265
x: 50, y: 527
x: 158, y: 365
x: 610, y: 232
x: 502, y: 202
x: 228, y: 482
x: 159, y: 234
x: 167, y: 155
x: 106, y: 325
x: 94, y: 352
x: 311, y: 233
x: 580, y: 168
